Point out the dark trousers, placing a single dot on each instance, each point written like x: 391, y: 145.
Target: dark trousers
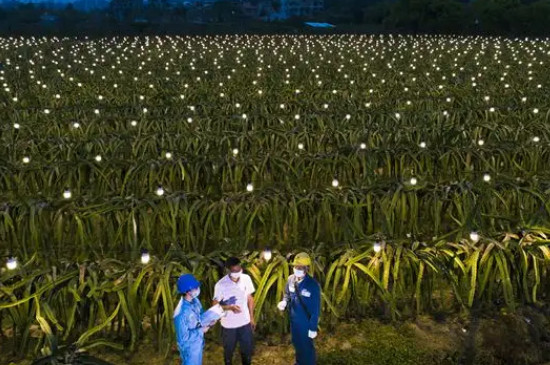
x: 244, y: 336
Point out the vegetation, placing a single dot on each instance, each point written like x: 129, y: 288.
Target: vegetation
x: 481, y: 17
x: 414, y: 169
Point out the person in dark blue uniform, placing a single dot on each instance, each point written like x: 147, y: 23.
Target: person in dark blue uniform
x: 303, y: 297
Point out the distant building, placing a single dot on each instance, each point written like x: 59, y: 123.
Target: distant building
x: 126, y: 9
x: 90, y: 5
x: 282, y: 9
x: 48, y: 18
x: 262, y: 9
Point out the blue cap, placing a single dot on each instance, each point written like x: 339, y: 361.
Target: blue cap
x: 187, y: 282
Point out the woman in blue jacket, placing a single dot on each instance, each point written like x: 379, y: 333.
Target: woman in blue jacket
x: 187, y: 320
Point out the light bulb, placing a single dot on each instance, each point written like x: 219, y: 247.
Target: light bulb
x: 98, y: 158
x: 422, y: 145
x: 481, y: 142
x: 26, y: 160
x: 300, y: 146
x: 486, y: 177
x: 267, y: 254
x: 363, y: 146
x: 413, y: 181
x: 235, y: 151
x: 145, y: 258
x: 67, y: 194
x: 11, y: 264
x: 249, y: 187
x: 377, y: 247
x: 133, y: 123
x: 168, y: 155
x: 76, y: 125
x: 474, y: 236
x: 16, y: 126
x: 335, y: 183
x: 160, y: 191
x: 536, y: 139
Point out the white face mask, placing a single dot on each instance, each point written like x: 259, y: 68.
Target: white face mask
x: 299, y: 273
x: 236, y: 275
x: 195, y: 293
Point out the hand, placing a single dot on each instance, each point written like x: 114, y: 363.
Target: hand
x: 282, y: 305
x: 235, y: 309
x: 312, y: 334
x: 253, y: 324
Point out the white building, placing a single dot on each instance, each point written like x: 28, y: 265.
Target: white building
x: 285, y: 9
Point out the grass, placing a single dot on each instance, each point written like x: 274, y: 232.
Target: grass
x: 500, y: 340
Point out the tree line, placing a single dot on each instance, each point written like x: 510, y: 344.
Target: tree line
x: 484, y: 17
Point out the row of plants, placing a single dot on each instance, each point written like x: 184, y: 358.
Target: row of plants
x: 119, y: 303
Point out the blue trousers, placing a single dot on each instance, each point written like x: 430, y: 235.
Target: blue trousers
x: 303, y: 345
x: 192, y: 355
x: 242, y: 335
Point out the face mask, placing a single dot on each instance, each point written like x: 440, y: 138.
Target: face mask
x: 236, y: 275
x: 195, y: 293
x: 299, y: 273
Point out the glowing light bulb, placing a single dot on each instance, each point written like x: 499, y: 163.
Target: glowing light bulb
x: 300, y: 146
x: 160, y: 191
x: 486, y: 177
x: 536, y: 139
x: 377, y: 247
x: 335, y: 183
x: 26, y: 160
x: 168, y: 155
x: 422, y: 145
x: 67, y: 194
x: 98, y: 158
x: 474, y: 237
x: 235, y: 151
x: 133, y: 123
x: 363, y: 146
x: 76, y: 125
x: 413, y: 181
x: 267, y: 254
x: 145, y: 257
x: 481, y: 142
x: 11, y: 264
x: 16, y: 125
x: 249, y: 187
